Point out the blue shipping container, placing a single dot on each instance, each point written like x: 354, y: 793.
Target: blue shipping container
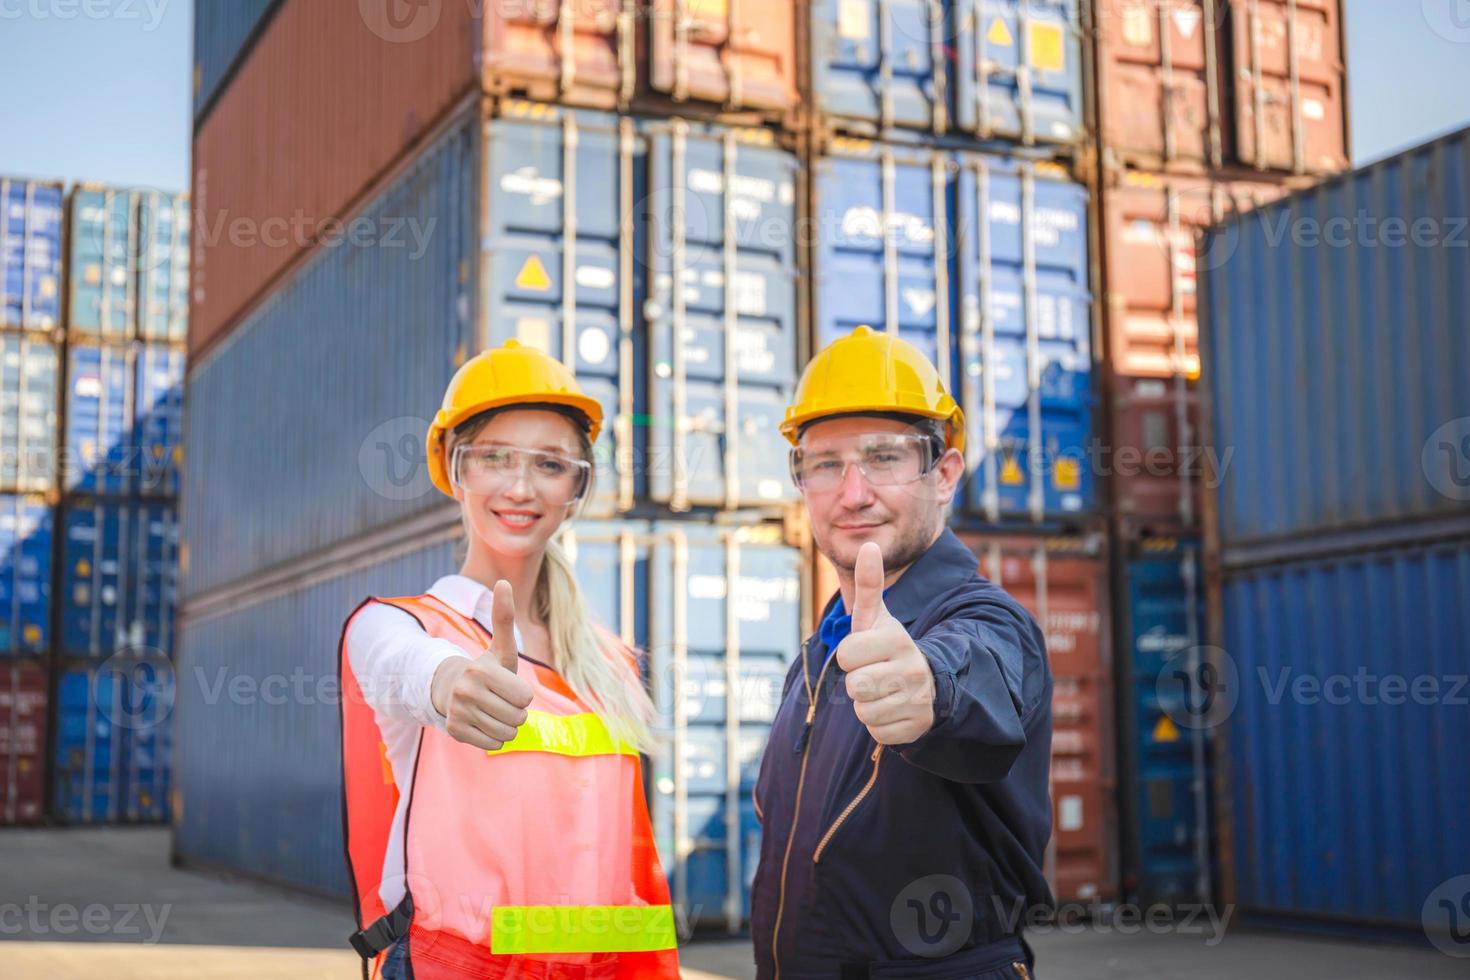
x: 1167, y: 765
x: 30, y: 254
x: 101, y: 454
x: 221, y: 30
x: 992, y: 69
x: 158, y: 419
x: 119, y: 579
x: 562, y: 265
x: 30, y: 383
x: 25, y: 575
x: 102, y: 276
x: 1335, y: 349
x: 1003, y: 243
x: 163, y: 267
x: 112, y: 742
x: 1347, y: 776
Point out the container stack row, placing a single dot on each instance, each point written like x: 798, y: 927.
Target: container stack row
x: 96, y: 301
x: 683, y: 202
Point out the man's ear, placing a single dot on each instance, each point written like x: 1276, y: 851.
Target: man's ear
x: 951, y: 468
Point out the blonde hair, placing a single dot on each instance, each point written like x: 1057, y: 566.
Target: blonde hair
x: 596, y: 665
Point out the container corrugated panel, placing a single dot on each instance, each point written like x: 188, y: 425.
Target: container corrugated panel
x: 26, y: 534
x: 103, y: 246
x: 1182, y: 84
x: 724, y: 623
x: 721, y: 315
x: 222, y: 28
x: 148, y: 727
x: 30, y: 254
x: 1336, y: 365
x: 1165, y: 765
x: 344, y: 128
x: 247, y: 796
x: 100, y: 453
x: 119, y: 577
x: 1005, y: 242
x: 1346, y: 743
x: 1063, y: 583
x: 257, y: 502
x: 30, y: 385
x: 1150, y: 265
x: 724, y: 52
x: 163, y: 267
x: 158, y: 427
x: 23, y: 742
x: 994, y: 69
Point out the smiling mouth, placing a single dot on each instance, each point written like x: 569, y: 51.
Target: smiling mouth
x: 516, y: 519
x: 849, y: 526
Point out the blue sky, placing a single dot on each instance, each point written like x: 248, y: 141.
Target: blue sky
x: 100, y: 89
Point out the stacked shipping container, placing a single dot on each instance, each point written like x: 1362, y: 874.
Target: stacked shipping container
x: 1205, y: 110
x: 1339, y: 565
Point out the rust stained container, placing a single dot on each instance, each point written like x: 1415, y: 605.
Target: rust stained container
x: 23, y: 696
x: 734, y: 53
x: 1196, y: 85
x: 1151, y: 223
x: 324, y: 104
x: 1063, y: 582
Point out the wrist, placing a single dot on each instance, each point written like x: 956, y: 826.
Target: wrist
x: 442, y: 683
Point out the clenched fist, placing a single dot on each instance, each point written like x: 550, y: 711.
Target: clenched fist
x: 888, y: 676
x: 483, y: 699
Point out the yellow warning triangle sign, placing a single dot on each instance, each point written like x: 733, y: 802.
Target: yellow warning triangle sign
x: 999, y: 34
x: 1010, y: 472
x: 1166, y: 730
x: 533, y: 275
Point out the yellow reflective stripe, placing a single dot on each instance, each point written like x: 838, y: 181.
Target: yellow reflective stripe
x: 581, y: 928
x: 577, y: 735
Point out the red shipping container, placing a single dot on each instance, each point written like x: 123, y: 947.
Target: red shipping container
x: 333, y: 96
x: 23, y: 688
x: 1063, y: 582
x: 1156, y: 461
x: 1191, y: 85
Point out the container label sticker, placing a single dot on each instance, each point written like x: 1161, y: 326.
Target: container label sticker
x: 533, y: 275
x: 593, y: 346
x: 919, y: 301
x: 595, y: 277
x: 1010, y: 472
x: 1138, y: 26
x: 1048, y: 47
x: 750, y: 294
x: 853, y: 20
x: 534, y: 332
x: 1165, y: 730
x: 707, y: 9
x: 1314, y: 110
x: 1187, y: 22
x: 1067, y: 474
x: 1069, y: 813
x: 999, y: 34
x: 528, y: 182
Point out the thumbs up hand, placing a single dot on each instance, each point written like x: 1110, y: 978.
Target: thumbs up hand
x: 888, y: 676
x: 483, y: 700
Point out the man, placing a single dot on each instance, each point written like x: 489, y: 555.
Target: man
x: 903, y: 793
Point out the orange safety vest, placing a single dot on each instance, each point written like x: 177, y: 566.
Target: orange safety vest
x: 535, y: 860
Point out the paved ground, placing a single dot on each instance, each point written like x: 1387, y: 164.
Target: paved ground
x: 83, y: 904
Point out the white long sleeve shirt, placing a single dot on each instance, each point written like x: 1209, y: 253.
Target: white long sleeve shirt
x: 394, y: 662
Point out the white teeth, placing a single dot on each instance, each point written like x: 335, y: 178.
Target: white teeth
x: 518, y: 518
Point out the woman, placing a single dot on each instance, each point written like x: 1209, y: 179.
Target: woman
x: 494, y: 809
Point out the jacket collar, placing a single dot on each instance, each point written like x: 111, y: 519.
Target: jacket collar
x: 946, y: 564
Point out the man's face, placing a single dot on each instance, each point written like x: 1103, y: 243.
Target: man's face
x: 904, y: 518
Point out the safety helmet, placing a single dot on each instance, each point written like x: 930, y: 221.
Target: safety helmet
x: 497, y: 378
x: 872, y: 372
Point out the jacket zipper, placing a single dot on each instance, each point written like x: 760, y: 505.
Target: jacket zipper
x: 811, y: 714
x: 872, y: 778
x: 1021, y: 971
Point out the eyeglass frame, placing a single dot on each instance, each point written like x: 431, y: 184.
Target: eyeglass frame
x: 580, y: 465
x: 934, y: 443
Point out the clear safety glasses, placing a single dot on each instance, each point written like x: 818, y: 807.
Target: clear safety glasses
x: 485, y: 470
x: 884, y: 459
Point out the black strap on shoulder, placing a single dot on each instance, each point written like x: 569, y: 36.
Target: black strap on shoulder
x: 385, y: 932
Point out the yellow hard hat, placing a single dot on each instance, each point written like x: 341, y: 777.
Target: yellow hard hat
x: 872, y: 372
x: 509, y: 375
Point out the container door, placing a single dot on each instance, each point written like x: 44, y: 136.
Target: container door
x: 30, y: 379
x: 30, y: 255
x: 163, y: 268
x: 1025, y: 342
x: 573, y: 53
x: 143, y: 725
x: 95, y: 577
x: 735, y: 53
x: 90, y: 748
x: 103, y: 243
x: 1289, y: 69
x: 23, y: 743
x: 159, y: 419
x: 726, y: 620
x: 879, y: 64
x: 721, y: 316
x: 25, y: 575
x: 1019, y: 71
x: 152, y: 559
x: 100, y: 456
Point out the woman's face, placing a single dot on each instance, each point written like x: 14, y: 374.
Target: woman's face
x: 517, y: 513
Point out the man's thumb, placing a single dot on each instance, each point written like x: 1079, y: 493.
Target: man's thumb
x: 503, y: 626
x: 867, y: 587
